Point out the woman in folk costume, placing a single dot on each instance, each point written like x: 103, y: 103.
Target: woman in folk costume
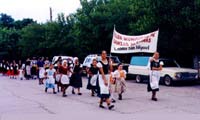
x: 155, y: 68
x: 58, y: 74
x: 41, y: 75
x: 120, y: 76
x: 15, y: 70
x: 21, y: 73
x: 50, y: 78
x: 104, y: 78
x: 93, y: 76
x: 76, y: 79
x: 64, y: 71
x: 28, y: 69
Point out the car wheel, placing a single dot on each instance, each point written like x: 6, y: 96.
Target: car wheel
x: 138, y: 79
x: 167, y: 81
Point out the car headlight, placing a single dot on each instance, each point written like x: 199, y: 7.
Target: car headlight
x: 177, y: 75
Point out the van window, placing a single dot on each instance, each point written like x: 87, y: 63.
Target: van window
x: 140, y: 61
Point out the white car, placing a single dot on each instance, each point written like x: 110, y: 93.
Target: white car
x: 172, y: 72
x: 68, y: 58
x: 88, y: 61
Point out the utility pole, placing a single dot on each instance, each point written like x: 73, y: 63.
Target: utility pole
x: 51, y: 17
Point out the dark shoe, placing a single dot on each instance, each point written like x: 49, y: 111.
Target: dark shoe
x: 79, y: 93
x: 73, y: 92
x: 45, y: 89
x: 111, y: 107
x: 54, y: 92
x: 113, y: 101
x: 92, y: 95
x: 101, y: 106
x: 120, y: 97
x: 154, y: 99
x: 64, y: 95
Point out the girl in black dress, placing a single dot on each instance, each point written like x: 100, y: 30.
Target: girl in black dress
x: 93, y: 76
x: 76, y: 79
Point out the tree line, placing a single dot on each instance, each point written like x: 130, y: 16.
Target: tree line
x: 90, y: 28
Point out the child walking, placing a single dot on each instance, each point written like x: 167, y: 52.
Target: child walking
x: 50, y: 78
x: 120, y: 76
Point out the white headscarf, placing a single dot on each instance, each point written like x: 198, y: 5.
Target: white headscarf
x: 64, y: 62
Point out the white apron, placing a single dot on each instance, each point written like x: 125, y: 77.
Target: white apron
x: 51, y: 79
x: 154, y: 79
x: 65, y: 79
x: 103, y: 88
x: 93, y: 80
x: 58, y: 77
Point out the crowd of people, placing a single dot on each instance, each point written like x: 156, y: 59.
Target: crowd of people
x: 103, y: 81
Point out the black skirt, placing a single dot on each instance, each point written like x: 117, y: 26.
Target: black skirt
x: 76, y: 80
x: 89, y: 86
x: 149, y: 89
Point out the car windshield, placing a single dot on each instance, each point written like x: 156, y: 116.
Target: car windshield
x: 114, y: 59
x: 170, y: 63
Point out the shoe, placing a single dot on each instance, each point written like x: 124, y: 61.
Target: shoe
x: 45, y: 89
x: 92, y: 95
x: 64, y: 95
x: 101, y: 106
x: 154, y: 99
x: 111, y: 107
x: 120, y: 97
x: 79, y: 93
x: 113, y: 101
x: 54, y: 92
x: 73, y: 92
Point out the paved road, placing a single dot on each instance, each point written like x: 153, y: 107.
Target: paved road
x: 26, y: 100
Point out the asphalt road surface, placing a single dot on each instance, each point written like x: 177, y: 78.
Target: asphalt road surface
x: 26, y: 100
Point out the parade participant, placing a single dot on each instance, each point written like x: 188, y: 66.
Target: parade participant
x: 9, y: 70
x: 76, y: 79
x: 41, y: 75
x: 155, y: 68
x: 34, y: 68
x: 58, y: 76
x: 104, y: 68
x: 21, y: 73
x: 112, y: 87
x: 120, y: 76
x: 15, y: 70
x: 93, y: 76
x: 1, y: 67
x: 47, y: 63
x: 50, y: 78
x: 20, y: 64
x: 40, y: 64
x: 64, y: 71
x: 28, y: 69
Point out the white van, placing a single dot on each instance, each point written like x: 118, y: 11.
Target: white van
x: 172, y: 72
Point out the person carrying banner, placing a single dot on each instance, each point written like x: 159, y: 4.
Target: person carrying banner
x: 155, y: 68
x: 105, y: 67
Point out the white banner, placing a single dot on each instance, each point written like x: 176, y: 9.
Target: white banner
x: 133, y: 44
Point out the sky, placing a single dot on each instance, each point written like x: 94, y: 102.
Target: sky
x: 38, y: 9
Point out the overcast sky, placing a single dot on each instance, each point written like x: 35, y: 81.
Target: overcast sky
x: 37, y: 9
